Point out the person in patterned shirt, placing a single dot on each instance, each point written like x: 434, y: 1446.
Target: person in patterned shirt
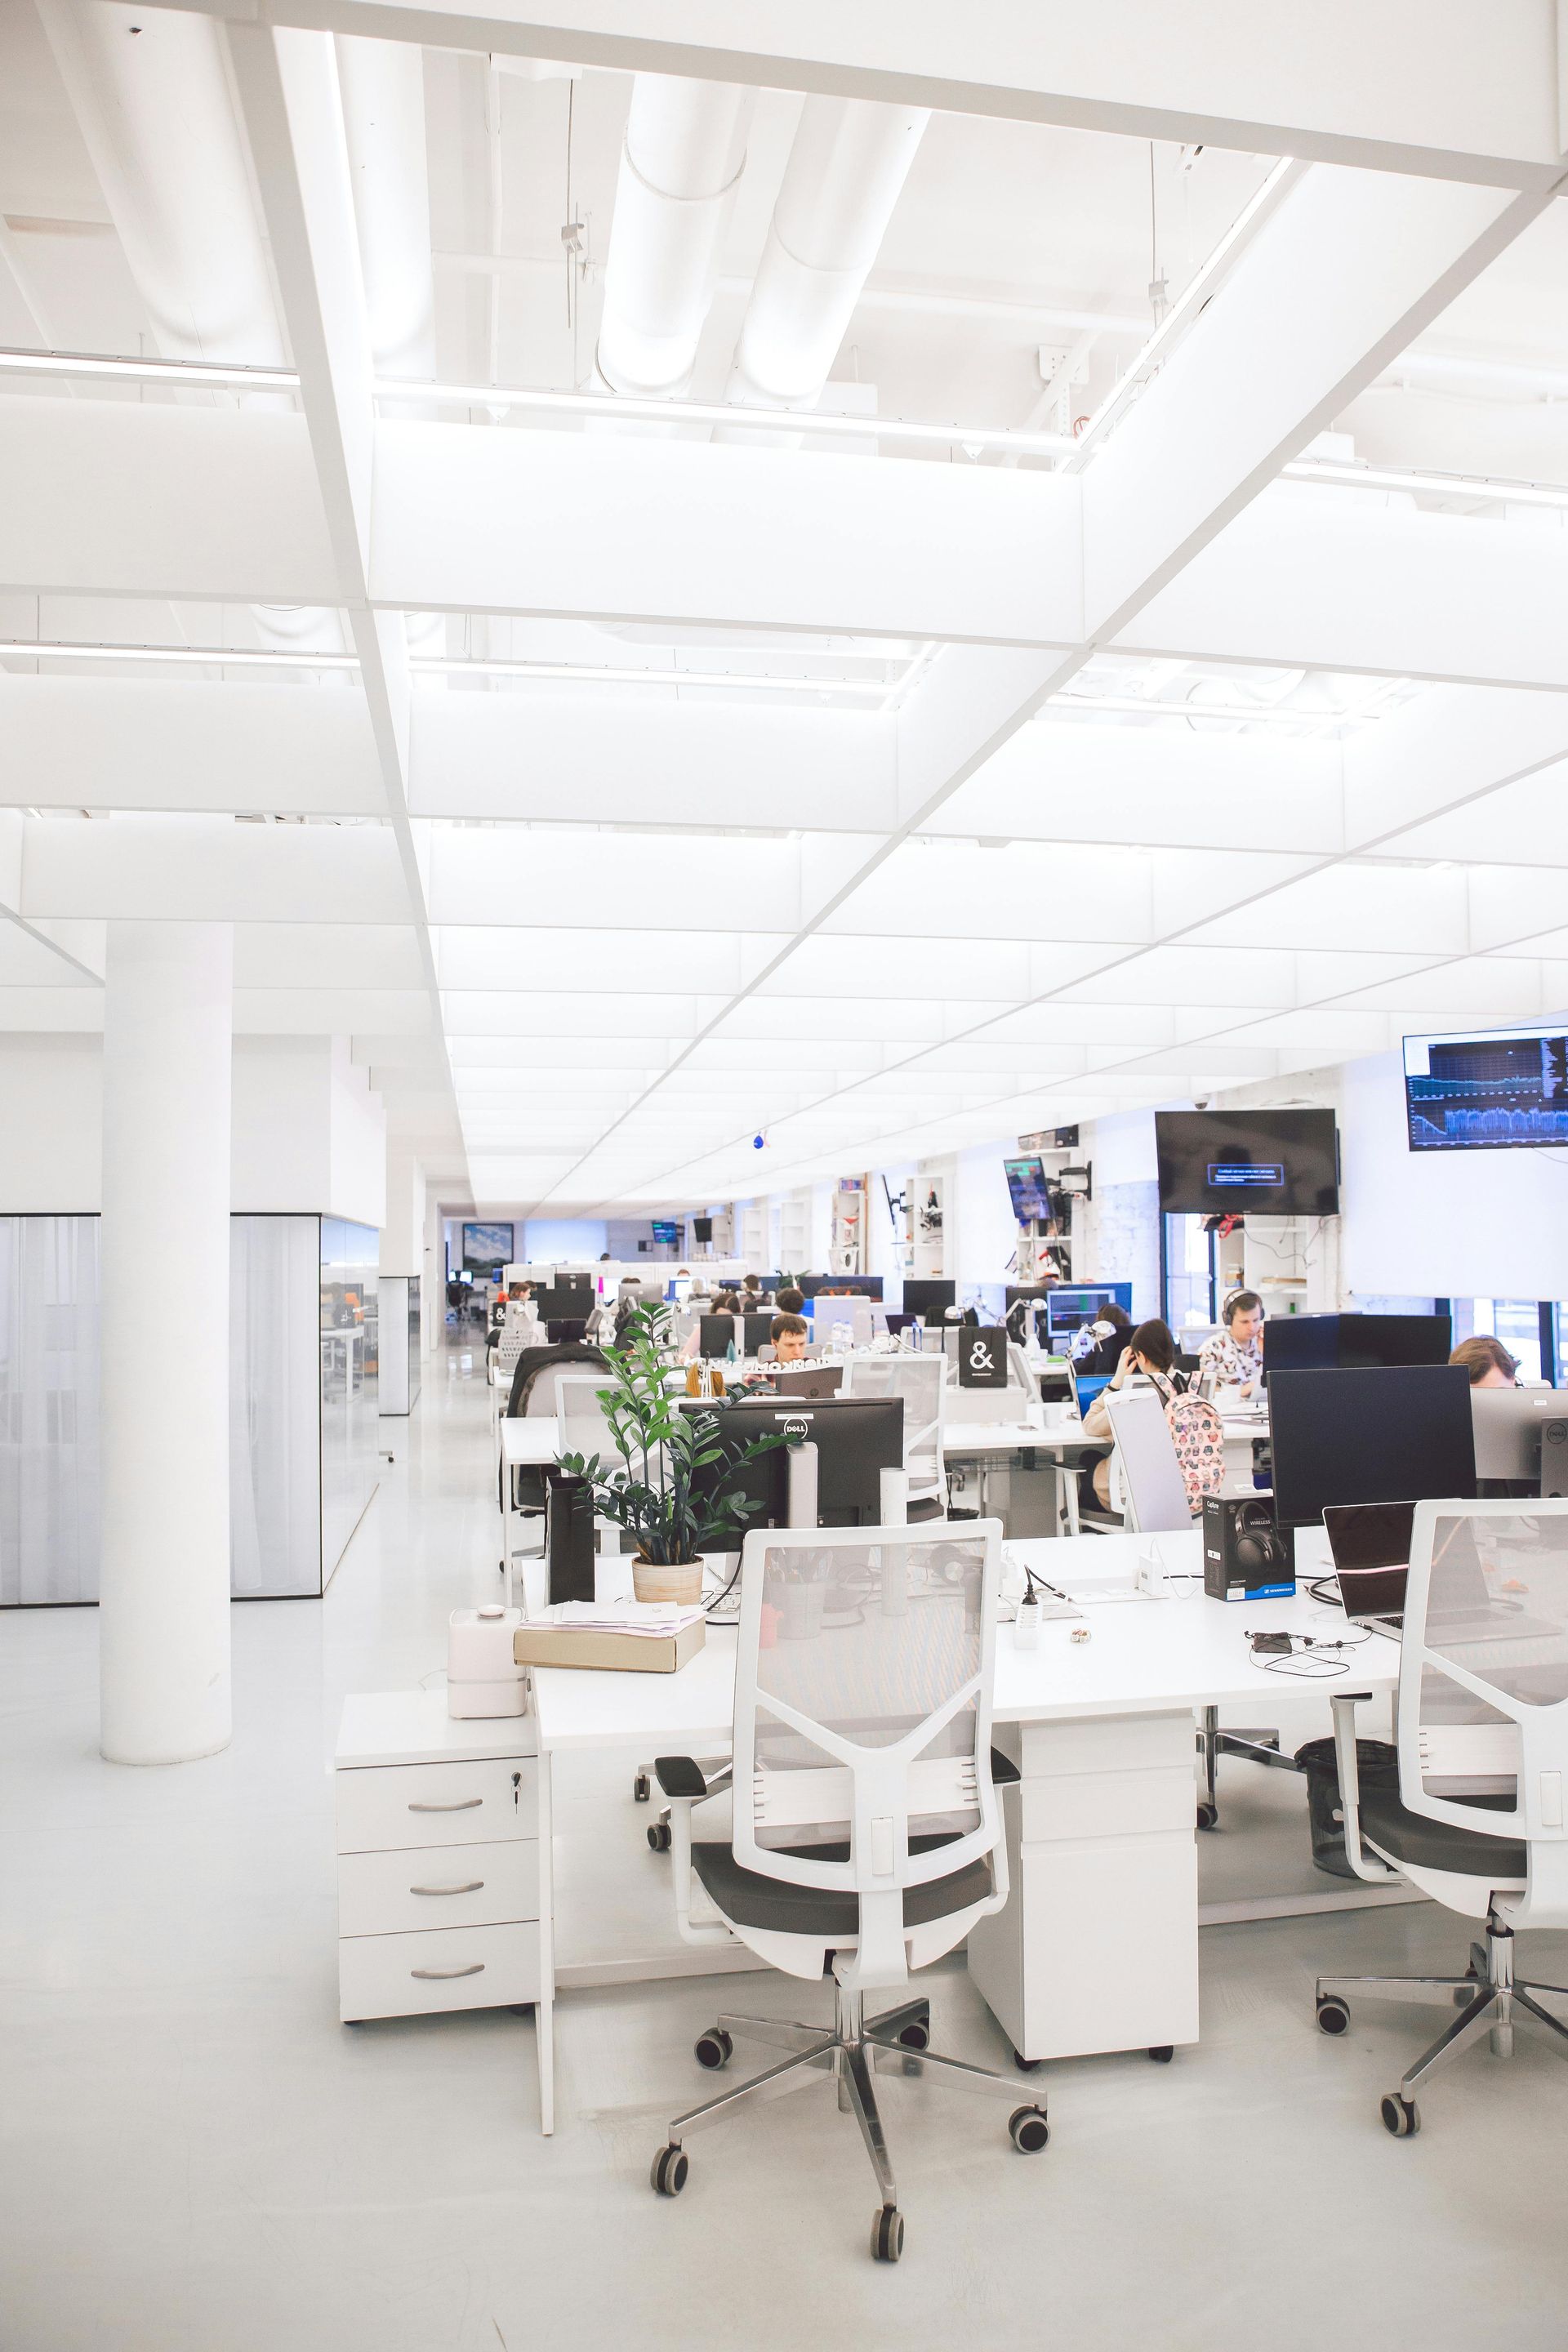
x: 1234, y: 1357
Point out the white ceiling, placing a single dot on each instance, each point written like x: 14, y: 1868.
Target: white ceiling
x: 1014, y: 787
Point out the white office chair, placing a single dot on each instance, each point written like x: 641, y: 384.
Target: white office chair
x: 922, y: 1382
x: 1477, y: 1820
x: 1151, y: 1477
x: 867, y: 1836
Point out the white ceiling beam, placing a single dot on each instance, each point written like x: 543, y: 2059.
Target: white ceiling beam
x: 1445, y: 90
x: 123, y: 743
x: 127, y: 498
x: 291, y: 105
x: 209, y: 870
x: 468, y: 519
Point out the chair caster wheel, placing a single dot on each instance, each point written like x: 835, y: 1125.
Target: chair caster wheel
x: 887, y: 2234
x: 915, y: 2037
x: 1333, y: 2017
x: 1162, y: 2053
x: 1208, y: 1817
x: 642, y: 1788
x: 659, y: 1836
x: 1028, y: 2130
x: 714, y: 2048
x: 1026, y: 2065
x: 1400, y: 2116
x: 669, y: 2169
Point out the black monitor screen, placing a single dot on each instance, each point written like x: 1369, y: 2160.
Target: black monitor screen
x: 1357, y: 1343
x: 1403, y: 1435
x: 1488, y: 1091
x: 1026, y: 1183
x: 486, y: 1248
x: 759, y: 1331
x: 856, y: 1438
x: 929, y: 1299
x: 716, y: 1334
x: 1258, y: 1163
x: 1293, y: 1343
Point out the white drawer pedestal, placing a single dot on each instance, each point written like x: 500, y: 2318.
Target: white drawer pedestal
x: 1098, y: 1946
x: 443, y: 1875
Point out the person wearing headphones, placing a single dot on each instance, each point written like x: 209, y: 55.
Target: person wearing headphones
x: 1233, y: 1357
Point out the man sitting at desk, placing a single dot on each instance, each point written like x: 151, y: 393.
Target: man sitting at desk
x: 791, y: 1335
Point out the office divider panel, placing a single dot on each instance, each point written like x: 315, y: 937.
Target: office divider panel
x: 350, y: 1377
x: 275, y: 1439
x: 49, y: 1490
x: 398, y: 1340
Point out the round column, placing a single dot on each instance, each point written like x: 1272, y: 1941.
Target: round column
x: 164, y: 1655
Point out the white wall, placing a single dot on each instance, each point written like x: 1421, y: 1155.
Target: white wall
x: 982, y: 1231
x: 578, y: 1241
x: 51, y: 1125
x: 1467, y: 1224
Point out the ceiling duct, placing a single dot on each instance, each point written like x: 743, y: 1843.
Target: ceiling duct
x: 151, y: 94
x: 846, y: 171
x: 684, y: 153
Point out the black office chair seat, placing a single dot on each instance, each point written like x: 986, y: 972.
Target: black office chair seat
x: 1426, y: 1844
x: 750, y: 1900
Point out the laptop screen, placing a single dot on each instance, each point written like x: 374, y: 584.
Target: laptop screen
x: 1086, y: 1387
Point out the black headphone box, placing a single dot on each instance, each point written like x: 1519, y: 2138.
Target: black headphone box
x: 1247, y: 1556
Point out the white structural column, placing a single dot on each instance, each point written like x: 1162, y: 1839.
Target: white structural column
x: 163, y: 1619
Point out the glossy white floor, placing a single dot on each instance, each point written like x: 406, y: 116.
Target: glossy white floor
x: 196, y: 2157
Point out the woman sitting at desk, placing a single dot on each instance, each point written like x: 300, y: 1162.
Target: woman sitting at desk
x: 1148, y: 1360
x: 1110, y: 1333
x: 727, y: 1303
x: 1234, y: 1357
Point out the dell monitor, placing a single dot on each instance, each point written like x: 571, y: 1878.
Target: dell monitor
x: 856, y: 1438
x: 929, y: 1299
x: 1392, y: 1435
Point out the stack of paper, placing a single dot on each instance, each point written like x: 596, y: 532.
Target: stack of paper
x: 659, y: 1620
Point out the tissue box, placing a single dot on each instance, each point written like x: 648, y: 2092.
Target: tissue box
x: 483, y: 1678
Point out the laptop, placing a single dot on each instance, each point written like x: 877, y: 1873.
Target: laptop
x: 809, y: 1381
x: 1086, y: 1387
x: 1371, y: 1548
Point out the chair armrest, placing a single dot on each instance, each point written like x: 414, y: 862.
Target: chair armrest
x: 682, y: 1780
x: 1003, y: 1771
x: 1344, y: 1704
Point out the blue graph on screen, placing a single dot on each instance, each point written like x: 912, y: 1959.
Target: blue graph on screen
x: 1481, y: 1093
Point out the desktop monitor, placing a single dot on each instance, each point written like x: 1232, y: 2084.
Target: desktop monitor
x: 759, y: 1331
x: 1355, y: 1343
x: 1401, y: 1434
x: 1067, y: 1309
x: 929, y: 1299
x: 1507, y: 1425
x: 856, y: 1438
x: 717, y: 1333
x: 561, y: 1328
x: 680, y: 1289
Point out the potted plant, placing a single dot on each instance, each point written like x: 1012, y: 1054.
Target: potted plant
x: 661, y: 1497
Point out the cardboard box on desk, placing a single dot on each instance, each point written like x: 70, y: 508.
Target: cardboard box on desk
x: 587, y: 1645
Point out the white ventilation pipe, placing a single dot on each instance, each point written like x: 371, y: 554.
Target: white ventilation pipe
x: 685, y: 150
x: 150, y: 95
x: 846, y: 171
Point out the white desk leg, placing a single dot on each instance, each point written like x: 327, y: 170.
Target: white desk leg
x: 545, y: 2008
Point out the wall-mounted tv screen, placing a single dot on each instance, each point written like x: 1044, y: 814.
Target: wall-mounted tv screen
x: 666, y: 1230
x: 1258, y: 1163
x: 486, y: 1248
x: 1026, y: 1183
x: 1488, y: 1090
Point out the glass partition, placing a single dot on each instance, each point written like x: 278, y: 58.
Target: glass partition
x: 275, y: 1443
x: 50, y: 1485
x: 348, y: 1340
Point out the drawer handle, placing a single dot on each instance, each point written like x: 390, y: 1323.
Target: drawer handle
x: 463, y: 1805
x: 474, y: 1969
x: 469, y: 1886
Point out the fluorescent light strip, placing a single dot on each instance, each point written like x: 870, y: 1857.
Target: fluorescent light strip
x: 1191, y: 298
x: 228, y: 657
x: 612, y: 407
x: 1390, y: 477
x: 582, y: 674
x: 85, y: 365
x: 1137, y: 705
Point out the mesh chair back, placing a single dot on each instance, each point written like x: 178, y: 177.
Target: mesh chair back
x: 1483, y: 1682
x: 1151, y: 1475
x: 863, y: 1713
x: 922, y: 1382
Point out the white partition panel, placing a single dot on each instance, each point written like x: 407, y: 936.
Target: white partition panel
x: 49, y: 1486
x: 275, y: 1454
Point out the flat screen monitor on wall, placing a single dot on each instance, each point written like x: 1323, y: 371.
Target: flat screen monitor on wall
x: 1026, y: 1183
x: 1489, y: 1090
x: 1258, y: 1163
x: 667, y: 1231
x: 486, y: 1248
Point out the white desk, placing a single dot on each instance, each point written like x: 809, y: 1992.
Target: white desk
x: 1097, y: 1947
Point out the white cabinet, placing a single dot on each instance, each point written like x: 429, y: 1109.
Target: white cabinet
x: 441, y: 1898
x: 1097, y: 1945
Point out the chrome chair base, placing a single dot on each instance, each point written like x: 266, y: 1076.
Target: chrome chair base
x: 1490, y: 1998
